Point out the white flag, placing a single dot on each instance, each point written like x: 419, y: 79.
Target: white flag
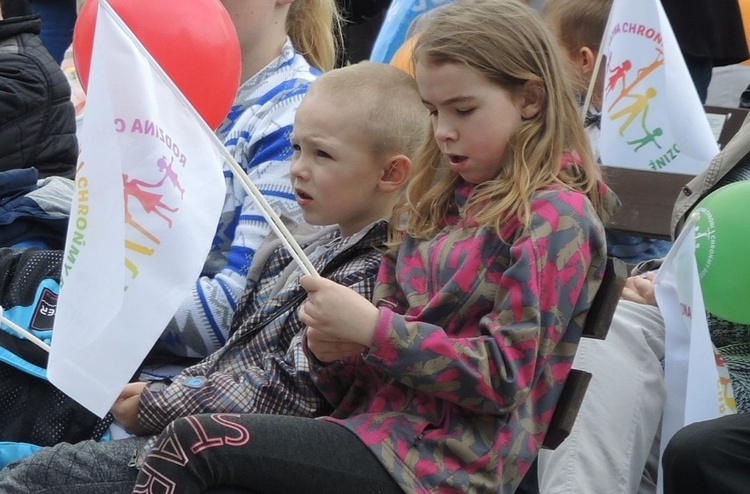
x: 652, y: 117
x: 149, y: 190
x: 695, y: 377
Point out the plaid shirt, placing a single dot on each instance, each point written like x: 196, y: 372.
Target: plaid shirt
x: 267, y: 371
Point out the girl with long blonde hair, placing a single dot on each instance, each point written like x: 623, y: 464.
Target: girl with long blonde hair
x: 447, y: 383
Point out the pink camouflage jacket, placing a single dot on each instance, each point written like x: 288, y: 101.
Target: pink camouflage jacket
x: 475, y: 339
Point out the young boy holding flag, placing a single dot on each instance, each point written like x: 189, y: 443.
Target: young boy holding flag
x: 350, y: 162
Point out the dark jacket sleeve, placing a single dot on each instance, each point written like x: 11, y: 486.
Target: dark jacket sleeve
x: 37, y: 118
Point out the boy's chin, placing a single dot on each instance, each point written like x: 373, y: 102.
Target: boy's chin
x: 316, y: 221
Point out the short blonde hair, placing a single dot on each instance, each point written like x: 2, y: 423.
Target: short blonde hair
x: 391, y: 108
x: 578, y: 23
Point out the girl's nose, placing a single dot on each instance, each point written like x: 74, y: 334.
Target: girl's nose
x: 443, y: 131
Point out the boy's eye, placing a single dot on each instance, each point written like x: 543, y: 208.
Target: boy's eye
x: 296, y: 148
x: 433, y: 113
x: 322, y: 154
x: 464, y: 111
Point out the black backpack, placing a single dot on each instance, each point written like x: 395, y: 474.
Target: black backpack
x: 33, y: 410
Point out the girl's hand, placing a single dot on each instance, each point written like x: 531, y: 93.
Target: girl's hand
x: 640, y: 289
x: 328, y: 349
x: 338, y: 311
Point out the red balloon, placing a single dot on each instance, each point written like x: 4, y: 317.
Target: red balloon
x: 194, y: 41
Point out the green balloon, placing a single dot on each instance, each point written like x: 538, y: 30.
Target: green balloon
x: 721, y: 251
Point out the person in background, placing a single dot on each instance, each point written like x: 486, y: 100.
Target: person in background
x: 77, y: 94
x: 362, y: 23
x: 354, y: 135
x: 710, y: 34
x: 37, y: 119
x: 611, y: 459
x: 579, y: 27
x: 58, y: 20
x: 447, y: 383
x: 712, y: 457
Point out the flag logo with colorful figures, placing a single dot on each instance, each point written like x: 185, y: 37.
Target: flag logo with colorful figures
x: 152, y: 193
x: 652, y: 118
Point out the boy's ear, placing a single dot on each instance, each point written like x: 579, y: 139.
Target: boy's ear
x: 532, y: 99
x: 586, y: 60
x: 395, y: 173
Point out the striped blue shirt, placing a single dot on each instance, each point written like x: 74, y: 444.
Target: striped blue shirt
x: 256, y: 132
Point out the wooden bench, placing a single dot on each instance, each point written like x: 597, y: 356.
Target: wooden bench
x: 596, y: 326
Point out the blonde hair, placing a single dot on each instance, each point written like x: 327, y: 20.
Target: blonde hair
x: 314, y: 26
x: 506, y: 42
x: 389, y: 102
x: 578, y: 23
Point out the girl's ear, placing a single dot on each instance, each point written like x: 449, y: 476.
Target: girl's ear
x: 395, y: 174
x: 532, y: 99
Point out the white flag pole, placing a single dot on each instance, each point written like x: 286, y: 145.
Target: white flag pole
x: 18, y: 329
x: 273, y: 219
